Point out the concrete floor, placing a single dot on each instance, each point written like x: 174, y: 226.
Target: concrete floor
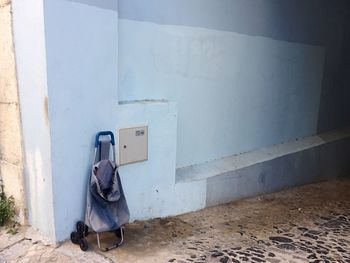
x: 304, y: 224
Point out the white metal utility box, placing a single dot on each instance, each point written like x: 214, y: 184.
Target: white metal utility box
x: 132, y: 144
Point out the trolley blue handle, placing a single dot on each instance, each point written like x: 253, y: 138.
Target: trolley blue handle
x: 104, y: 133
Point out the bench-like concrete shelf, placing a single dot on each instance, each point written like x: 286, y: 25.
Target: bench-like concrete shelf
x: 315, y: 158
x: 236, y: 162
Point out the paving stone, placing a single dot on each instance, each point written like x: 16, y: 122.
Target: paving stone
x: 203, y: 236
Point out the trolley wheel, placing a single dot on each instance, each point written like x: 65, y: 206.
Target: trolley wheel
x: 86, y: 231
x: 118, y: 232
x: 74, y: 237
x: 82, y: 229
x: 83, y: 244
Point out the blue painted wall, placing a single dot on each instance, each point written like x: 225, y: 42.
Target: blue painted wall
x: 82, y: 66
x: 235, y: 93
x: 230, y: 90
x: 81, y: 100
x: 313, y: 22
x: 245, y: 74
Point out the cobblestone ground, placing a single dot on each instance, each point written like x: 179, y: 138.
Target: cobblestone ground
x: 304, y: 224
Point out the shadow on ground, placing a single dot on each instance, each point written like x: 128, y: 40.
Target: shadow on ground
x: 305, y: 224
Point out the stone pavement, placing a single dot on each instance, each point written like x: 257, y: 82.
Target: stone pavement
x: 305, y: 224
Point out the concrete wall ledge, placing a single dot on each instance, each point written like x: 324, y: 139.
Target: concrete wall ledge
x: 237, y: 162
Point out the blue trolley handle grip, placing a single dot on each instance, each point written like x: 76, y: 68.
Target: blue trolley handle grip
x: 104, y: 133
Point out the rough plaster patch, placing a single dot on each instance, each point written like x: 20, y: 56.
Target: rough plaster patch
x: 4, y: 3
x: 11, y: 159
x: 8, y: 81
x: 10, y: 134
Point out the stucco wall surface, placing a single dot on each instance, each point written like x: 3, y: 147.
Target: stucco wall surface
x: 11, y: 159
x: 82, y: 63
x: 82, y: 89
x: 245, y: 74
x: 235, y: 93
x: 314, y: 22
x: 208, y: 85
x: 30, y: 54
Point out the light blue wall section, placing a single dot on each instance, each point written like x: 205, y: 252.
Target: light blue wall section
x: 29, y: 39
x: 82, y: 84
x: 313, y: 22
x: 80, y: 39
x: 221, y: 84
x: 235, y: 92
x: 150, y: 185
x: 106, y: 4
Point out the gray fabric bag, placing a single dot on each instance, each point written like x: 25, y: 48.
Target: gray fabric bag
x: 106, y: 208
